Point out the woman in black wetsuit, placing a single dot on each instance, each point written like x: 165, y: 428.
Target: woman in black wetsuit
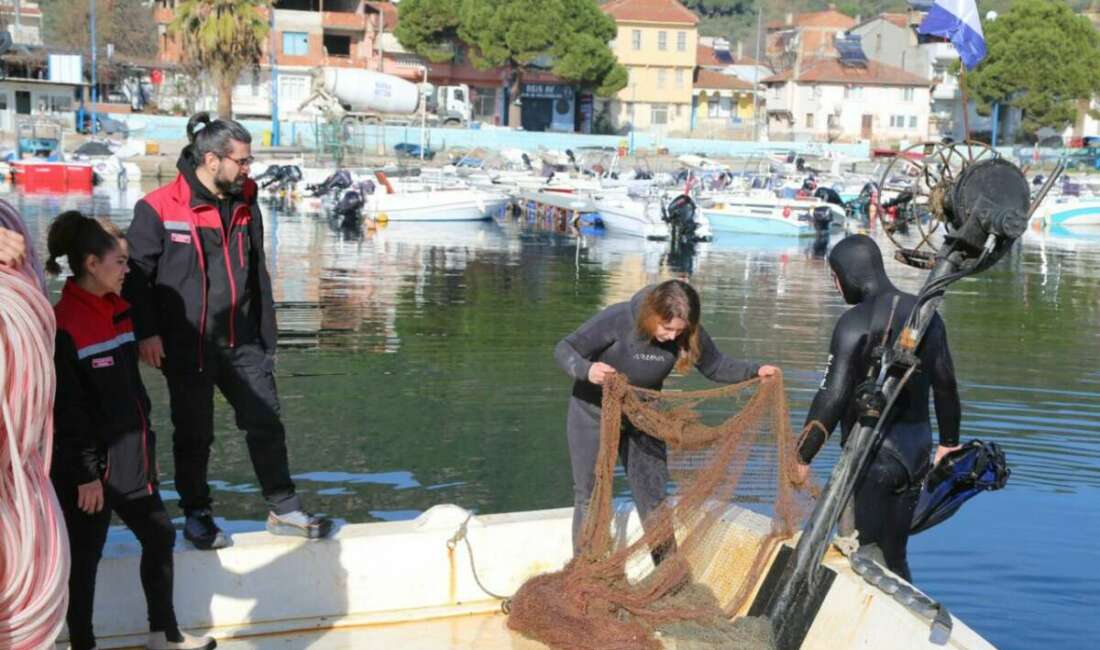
x: 644, y: 339
x: 887, y: 493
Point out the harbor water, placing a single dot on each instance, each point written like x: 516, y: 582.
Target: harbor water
x: 415, y: 368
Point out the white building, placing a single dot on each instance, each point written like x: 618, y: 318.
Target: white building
x: 823, y: 99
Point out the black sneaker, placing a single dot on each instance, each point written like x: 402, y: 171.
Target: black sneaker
x: 202, y: 532
x: 300, y: 524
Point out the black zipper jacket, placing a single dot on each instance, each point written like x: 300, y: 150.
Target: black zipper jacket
x: 198, y: 275
x: 101, y: 409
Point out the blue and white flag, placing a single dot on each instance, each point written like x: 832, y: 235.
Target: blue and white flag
x: 958, y: 21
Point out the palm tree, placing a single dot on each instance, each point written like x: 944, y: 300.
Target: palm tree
x: 222, y: 37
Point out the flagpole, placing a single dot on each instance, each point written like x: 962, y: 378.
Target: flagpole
x: 966, y: 102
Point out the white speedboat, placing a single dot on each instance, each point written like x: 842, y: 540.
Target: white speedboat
x: 421, y: 584
x: 1070, y: 213
x: 760, y: 212
x: 642, y: 216
x: 433, y: 205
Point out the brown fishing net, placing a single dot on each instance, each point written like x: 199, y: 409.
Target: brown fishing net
x: 687, y: 580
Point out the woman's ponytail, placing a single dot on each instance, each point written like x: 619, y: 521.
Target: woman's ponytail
x: 75, y: 237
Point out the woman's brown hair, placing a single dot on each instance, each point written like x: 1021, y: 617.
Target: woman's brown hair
x: 75, y: 236
x: 668, y: 300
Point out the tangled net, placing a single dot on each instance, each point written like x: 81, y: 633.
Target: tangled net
x: 700, y: 557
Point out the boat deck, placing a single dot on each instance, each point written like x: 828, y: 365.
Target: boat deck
x: 480, y: 631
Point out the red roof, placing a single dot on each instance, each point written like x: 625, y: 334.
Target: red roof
x: 712, y: 79
x: 704, y: 56
x: 389, y: 14
x: 650, y: 11
x: 830, y: 71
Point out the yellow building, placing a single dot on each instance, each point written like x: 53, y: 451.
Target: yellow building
x: 656, y: 43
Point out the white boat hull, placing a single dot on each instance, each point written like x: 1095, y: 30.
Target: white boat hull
x: 385, y: 574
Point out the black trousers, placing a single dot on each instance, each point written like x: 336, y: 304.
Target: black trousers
x: 148, y: 519
x: 644, y: 458
x: 884, y: 502
x: 245, y: 375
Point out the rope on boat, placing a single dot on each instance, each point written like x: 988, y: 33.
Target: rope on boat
x: 461, y: 535
x: 34, y: 550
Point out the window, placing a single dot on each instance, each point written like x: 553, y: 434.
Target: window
x: 293, y: 89
x: 713, y: 106
x: 337, y: 45
x: 661, y: 78
x: 833, y: 121
x: 681, y: 41
x: 3, y: 101
x: 255, y: 82
x: 897, y: 121
x: 295, y: 43
x: 809, y: 120
x: 485, y: 101
x: 662, y: 41
x: 679, y: 77
x: 912, y: 121
x: 906, y: 94
x: 636, y: 39
x: 658, y: 114
x: 853, y: 92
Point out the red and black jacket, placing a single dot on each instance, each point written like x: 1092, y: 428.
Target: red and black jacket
x: 195, y: 278
x: 101, y: 409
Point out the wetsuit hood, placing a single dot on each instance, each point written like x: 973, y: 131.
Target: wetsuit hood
x: 857, y: 263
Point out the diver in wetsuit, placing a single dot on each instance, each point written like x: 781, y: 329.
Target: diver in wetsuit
x: 644, y: 339
x: 887, y: 493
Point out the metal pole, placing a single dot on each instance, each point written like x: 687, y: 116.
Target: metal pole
x: 996, y: 119
x: 274, y: 80
x: 95, y: 96
x: 756, y: 76
x: 423, y: 112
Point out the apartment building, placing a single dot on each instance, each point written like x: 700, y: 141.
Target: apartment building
x: 656, y: 41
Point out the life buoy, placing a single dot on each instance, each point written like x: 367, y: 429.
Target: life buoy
x: 385, y: 182
x: 786, y: 212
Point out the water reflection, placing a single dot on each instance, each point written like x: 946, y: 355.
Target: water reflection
x: 415, y: 368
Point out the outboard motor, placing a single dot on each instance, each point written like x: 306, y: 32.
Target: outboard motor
x: 349, y: 208
x: 269, y: 176
x: 339, y: 180
x: 828, y: 195
x: 822, y: 218
x: 679, y: 214
x: 526, y: 161
x: 293, y: 174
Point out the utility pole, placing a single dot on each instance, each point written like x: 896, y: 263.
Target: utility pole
x: 756, y: 76
x: 274, y: 79
x: 95, y: 96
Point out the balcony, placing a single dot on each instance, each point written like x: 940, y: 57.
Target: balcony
x: 343, y: 20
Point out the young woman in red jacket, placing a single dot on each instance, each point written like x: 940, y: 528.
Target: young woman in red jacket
x: 104, y: 458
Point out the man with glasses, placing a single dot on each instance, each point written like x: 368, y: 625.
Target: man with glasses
x: 203, y: 313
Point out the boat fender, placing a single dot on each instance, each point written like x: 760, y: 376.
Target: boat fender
x: 382, y: 217
x: 385, y: 182
x: 786, y: 212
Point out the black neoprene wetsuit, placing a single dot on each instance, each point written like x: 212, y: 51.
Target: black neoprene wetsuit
x: 888, y: 491
x: 611, y: 337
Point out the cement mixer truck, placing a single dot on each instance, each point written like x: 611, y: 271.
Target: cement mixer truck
x: 358, y: 96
